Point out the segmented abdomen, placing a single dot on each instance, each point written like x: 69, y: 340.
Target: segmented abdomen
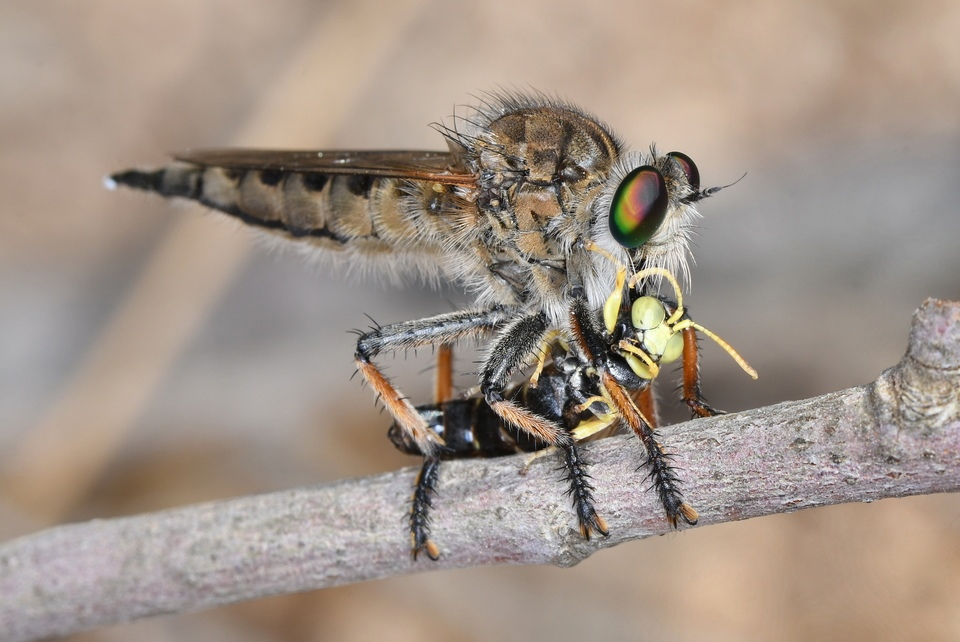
x: 361, y: 214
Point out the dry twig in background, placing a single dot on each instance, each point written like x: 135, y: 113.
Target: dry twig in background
x: 895, y: 437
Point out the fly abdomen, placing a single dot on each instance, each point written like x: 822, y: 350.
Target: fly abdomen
x: 370, y: 215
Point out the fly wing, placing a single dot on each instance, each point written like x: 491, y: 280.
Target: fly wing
x: 367, y: 207
x: 434, y: 167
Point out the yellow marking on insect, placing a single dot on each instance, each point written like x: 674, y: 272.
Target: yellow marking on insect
x: 645, y: 366
x: 590, y: 427
x: 720, y: 342
x: 659, y: 271
x: 589, y: 402
x: 553, y: 336
x: 611, y: 307
x: 682, y: 325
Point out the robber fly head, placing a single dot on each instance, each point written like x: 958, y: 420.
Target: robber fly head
x: 647, y: 211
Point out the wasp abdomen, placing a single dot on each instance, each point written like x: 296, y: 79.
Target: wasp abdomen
x: 469, y: 428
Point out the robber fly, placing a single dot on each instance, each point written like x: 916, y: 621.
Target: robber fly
x: 535, y: 208
x: 627, y: 342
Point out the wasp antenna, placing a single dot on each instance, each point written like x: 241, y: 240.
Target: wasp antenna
x: 729, y: 348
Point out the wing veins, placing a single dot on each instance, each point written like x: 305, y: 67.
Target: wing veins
x: 430, y: 166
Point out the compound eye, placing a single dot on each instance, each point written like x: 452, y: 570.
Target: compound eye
x: 674, y: 348
x: 647, y: 313
x: 689, y: 168
x: 639, y: 207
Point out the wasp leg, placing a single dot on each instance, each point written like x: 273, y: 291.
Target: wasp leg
x: 585, y: 429
x: 441, y: 329
x: 421, y: 504
x: 647, y: 404
x: 691, y: 377
x: 518, y: 341
x: 550, y: 340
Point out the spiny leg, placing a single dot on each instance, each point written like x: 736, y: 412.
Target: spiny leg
x: 662, y: 474
x: 441, y: 329
x: 579, y: 427
x: 525, y: 337
x: 425, y: 487
x: 581, y: 493
x: 513, y: 347
x: 420, y: 510
x: 580, y: 489
x: 596, y: 349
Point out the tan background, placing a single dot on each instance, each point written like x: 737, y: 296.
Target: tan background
x: 149, y: 358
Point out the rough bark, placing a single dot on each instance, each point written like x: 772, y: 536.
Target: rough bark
x: 897, y: 436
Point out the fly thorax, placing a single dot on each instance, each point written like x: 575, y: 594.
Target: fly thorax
x: 537, y: 165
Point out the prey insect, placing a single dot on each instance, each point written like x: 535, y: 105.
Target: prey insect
x: 566, y: 393
x: 514, y: 210
x: 627, y: 344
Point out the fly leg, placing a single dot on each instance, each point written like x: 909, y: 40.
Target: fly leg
x: 662, y: 475
x: 426, y: 485
x: 438, y: 330
x: 581, y: 490
x: 513, y: 347
x: 581, y: 493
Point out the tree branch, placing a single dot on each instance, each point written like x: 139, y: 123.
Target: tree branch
x: 895, y: 437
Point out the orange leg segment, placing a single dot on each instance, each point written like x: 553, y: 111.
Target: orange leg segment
x: 691, y: 377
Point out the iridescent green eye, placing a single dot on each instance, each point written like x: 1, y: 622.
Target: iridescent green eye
x: 639, y: 207
x: 689, y: 168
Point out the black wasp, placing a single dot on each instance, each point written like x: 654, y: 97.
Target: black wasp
x: 629, y: 345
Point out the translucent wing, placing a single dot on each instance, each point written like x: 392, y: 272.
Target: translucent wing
x: 437, y: 167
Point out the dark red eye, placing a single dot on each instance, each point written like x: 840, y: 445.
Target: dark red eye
x: 689, y: 168
x: 639, y: 207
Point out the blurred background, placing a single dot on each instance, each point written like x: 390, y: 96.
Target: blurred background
x: 153, y: 356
